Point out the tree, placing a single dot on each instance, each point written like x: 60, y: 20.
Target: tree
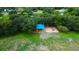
x: 72, y: 22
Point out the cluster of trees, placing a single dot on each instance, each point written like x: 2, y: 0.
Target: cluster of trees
x: 16, y: 19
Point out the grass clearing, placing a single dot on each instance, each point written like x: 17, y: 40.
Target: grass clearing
x: 33, y: 42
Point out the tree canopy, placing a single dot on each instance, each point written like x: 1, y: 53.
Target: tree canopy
x: 24, y: 19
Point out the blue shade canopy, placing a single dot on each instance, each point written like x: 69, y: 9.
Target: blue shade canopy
x: 40, y: 26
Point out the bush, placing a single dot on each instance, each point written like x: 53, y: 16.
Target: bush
x: 62, y: 28
x: 72, y: 22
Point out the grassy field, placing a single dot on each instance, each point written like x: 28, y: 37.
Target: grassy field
x: 33, y: 42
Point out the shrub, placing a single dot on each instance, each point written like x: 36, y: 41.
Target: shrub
x: 72, y: 22
x: 62, y: 28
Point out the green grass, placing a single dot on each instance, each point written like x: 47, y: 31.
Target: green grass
x: 63, y: 41
x: 32, y: 42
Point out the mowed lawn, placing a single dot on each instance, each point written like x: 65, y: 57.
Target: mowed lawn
x: 33, y: 42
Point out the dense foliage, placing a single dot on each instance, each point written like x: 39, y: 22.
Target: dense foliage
x: 16, y: 20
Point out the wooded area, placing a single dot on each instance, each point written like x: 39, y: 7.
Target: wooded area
x: 24, y: 19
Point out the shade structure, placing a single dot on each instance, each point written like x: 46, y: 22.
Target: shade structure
x: 40, y: 26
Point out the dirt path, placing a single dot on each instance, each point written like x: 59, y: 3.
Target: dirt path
x: 44, y: 35
x: 48, y: 32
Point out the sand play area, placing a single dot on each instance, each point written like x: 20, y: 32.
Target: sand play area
x: 51, y: 29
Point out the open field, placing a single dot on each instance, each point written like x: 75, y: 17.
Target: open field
x: 33, y: 42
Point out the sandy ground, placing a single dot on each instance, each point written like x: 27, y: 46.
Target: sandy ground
x: 51, y: 29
